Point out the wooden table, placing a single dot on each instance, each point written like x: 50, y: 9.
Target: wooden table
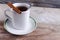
x: 48, y: 25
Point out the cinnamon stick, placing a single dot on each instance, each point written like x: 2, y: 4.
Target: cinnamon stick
x: 13, y: 7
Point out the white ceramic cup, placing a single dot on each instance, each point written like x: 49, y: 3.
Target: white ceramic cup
x: 19, y: 21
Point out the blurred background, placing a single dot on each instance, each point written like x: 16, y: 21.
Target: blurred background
x: 41, y: 3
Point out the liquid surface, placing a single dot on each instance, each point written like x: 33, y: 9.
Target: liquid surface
x: 22, y: 8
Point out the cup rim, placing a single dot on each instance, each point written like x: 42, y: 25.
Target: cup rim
x: 28, y: 5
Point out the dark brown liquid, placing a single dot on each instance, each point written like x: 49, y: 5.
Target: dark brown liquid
x: 22, y: 8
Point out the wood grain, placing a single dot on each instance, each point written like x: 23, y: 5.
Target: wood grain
x: 43, y: 32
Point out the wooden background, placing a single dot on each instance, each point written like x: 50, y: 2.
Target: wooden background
x: 46, y: 30
x: 43, y: 32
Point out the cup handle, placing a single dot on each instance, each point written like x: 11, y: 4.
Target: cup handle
x: 9, y: 17
x: 6, y: 15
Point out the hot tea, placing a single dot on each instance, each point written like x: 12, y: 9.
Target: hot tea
x: 22, y: 8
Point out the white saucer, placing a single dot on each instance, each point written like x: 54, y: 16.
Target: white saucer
x: 10, y: 29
